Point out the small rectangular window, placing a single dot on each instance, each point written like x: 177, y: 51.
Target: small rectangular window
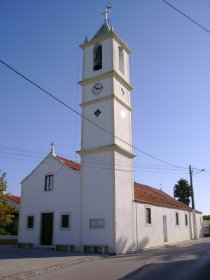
x: 65, y: 221
x: 186, y: 220
x: 148, y: 216
x: 48, y: 182
x: 177, y: 219
x: 97, y: 223
x: 30, y: 222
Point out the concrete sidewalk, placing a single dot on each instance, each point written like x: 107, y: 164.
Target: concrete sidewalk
x: 16, y: 264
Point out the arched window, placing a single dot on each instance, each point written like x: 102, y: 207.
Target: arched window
x: 121, y: 60
x: 97, y: 57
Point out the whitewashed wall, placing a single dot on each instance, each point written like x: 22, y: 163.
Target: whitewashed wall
x: 65, y: 197
x: 199, y: 224
x: 93, y: 137
x: 122, y: 126
x: 97, y: 196
x: 151, y: 235
x: 126, y: 74
x: 124, y: 223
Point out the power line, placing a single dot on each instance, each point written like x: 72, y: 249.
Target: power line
x: 22, y: 149
x: 85, y: 118
x: 195, y: 22
x: 23, y: 154
x: 100, y: 163
x: 100, y: 167
x: 37, y: 153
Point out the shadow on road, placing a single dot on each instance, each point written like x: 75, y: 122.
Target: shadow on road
x: 11, y: 252
x: 186, y: 262
x: 172, y: 270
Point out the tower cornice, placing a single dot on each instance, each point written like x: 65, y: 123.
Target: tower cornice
x: 105, y: 37
x: 102, y: 99
x: 110, y: 74
x: 113, y: 147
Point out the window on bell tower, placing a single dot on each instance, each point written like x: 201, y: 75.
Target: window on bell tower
x: 121, y: 60
x: 97, y: 57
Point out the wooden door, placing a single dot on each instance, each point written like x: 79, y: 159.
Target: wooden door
x: 47, y: 229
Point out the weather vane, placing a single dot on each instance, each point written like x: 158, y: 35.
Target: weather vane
x: 106, y: 13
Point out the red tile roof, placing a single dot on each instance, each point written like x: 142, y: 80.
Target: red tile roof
x: 69, y: 163
x: 143, y: 193
x: 15, y: 198
x: 146, y: 194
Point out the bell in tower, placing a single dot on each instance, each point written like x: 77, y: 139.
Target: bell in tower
x: 97, y: 57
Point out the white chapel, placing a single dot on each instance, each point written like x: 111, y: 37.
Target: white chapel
x: 85, y: 207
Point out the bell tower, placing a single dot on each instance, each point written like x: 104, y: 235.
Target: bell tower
x: 106, y: 152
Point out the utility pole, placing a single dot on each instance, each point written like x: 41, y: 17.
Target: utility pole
x: 191, y: 184
x: 192, y: 191
x: 193, y: 201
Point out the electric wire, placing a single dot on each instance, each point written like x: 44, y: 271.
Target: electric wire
x: 96, y: 166
x: 192, y: 20
x: 85, y: 118
x: 93, y: 160
x: 142, y: 167
x: 101, y: 162
x: 103, y: 165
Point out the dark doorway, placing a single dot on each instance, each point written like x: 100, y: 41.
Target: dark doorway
x: 47, y: 229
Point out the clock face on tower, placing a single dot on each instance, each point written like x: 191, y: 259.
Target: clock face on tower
x: 97, y: 88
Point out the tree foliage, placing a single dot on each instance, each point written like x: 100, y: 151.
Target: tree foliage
x: 182, y: 191
x: 206, y: 217
x: 7, y: 211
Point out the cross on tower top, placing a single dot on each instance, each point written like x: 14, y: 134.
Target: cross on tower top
x: 106, y: 13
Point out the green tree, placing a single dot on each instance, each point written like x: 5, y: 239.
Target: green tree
x: 182, y: 191
x: 7, y: 211
x: 206, y: 217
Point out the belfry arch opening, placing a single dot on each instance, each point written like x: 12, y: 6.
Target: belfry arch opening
x: 121, y: 59
x: 97, y: 57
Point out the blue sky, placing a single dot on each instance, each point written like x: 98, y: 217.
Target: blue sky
x: 170, y: 70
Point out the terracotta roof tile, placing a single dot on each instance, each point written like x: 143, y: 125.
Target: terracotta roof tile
x: 146, y: 194
x: 143, y: 193
x: 69, y: 163
x: 15, y: 198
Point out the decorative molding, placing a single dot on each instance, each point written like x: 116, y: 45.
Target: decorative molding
x: 113, y: 147
x: 105, y: 37
x: 110, y: 74
x: 102, y: 99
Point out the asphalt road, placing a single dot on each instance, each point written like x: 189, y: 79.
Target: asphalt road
x: 191, y: 263
x: 189, y: 260
x: 184, y: 261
